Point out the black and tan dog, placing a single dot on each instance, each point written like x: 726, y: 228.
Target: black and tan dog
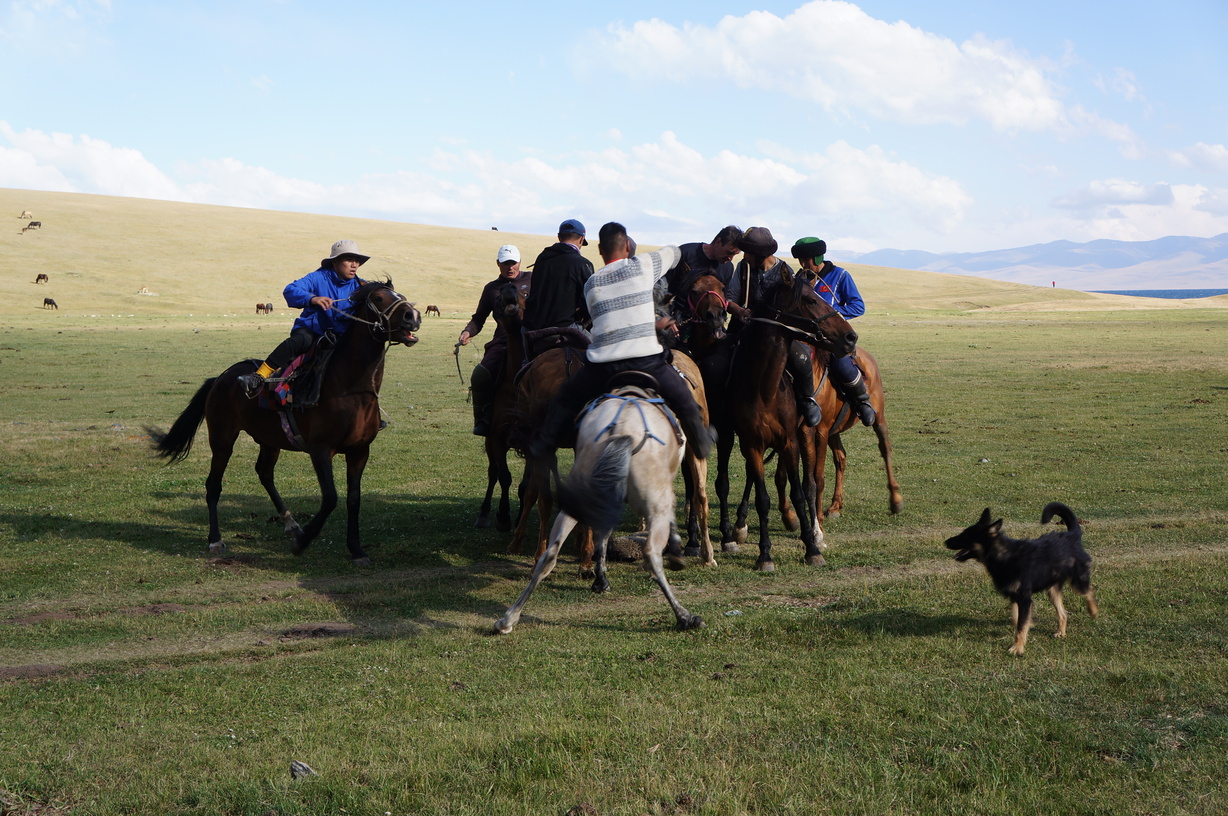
x: 1021, y: 567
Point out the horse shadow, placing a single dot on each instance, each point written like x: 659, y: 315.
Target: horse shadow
x: 901, y: 622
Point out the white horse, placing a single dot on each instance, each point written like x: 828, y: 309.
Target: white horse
x: 627, y: 450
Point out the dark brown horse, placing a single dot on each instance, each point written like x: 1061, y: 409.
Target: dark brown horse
x: 763, y: 412
x: 507, y: 311
x: 346, y: 419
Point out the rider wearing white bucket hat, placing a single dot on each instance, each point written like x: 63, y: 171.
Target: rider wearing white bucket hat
x: 318, y: 295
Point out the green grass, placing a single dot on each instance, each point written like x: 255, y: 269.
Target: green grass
x: 140, y: 676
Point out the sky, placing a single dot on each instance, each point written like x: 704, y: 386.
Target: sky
x: 947, y: 126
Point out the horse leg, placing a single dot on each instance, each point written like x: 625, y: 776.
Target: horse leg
x: 587, y: 549
x: 562, y: 526
x: 740, y: 531
x: 527, y: 493
x: 503, y: 516
x: 763, y: 505
x: 492, y: 476
x: 697, y: 517
x: 322, y: 462
x: 688, y: 510
x: 896, y: 501
x: 658, y: 537
x: 265, y: 464
x: 799, y: 488
x: 787, y: 515
x: 839, y: 460
x: 724, y: 446
x: 601, y: 582
x: 355, y: 464
x: 222, y: 445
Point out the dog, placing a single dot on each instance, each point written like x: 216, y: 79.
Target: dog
x: 1021, y: 567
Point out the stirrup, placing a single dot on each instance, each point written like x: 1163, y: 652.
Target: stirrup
x: 251, y: 384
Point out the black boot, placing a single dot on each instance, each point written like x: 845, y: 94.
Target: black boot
x: 800, y: 368
x: 859, y: 399
x: 556, y: 431
x: 481, y: 389
x: 699, y: 437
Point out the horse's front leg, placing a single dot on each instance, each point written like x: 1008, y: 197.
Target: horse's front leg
x: 562, y: 526
x: 724, y: 446
x: 322, y: 462
x: 788, y: 516
x: 355, y: 464
x: 763, y: 504
x: 804, y: 497
x: 266, y: 462
x: 222, y: 446
x: 839, y: 461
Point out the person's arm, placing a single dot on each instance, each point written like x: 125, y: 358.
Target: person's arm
x: 299, y: 293
x: 848, y: 298
x: 485, y: 307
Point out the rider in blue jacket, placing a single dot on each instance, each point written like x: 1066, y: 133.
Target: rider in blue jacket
x: 323, y: 295
x: 835, y: 285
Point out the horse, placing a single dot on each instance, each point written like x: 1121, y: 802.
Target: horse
x: 433, y: 310
x: 763, y: 413
x: 260, y: 309
x: 345, y: 420
x: 268, y: 308
x: 41, y: 277
x: 627, y: 450
x: 48, y: 303
x: 507, y: 311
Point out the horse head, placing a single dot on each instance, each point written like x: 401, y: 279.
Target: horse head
x: 707, y: 303
x: 799, y: 307
x: 388, y: 312
x: 509, y: 305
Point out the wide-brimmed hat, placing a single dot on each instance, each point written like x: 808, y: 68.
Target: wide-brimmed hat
x: 809, y: 248
x: 344, y: 247
x: 758, y: 241
x: 507, y: 252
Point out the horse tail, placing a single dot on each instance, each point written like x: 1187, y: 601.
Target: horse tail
x: 1061, y: 511
x: 596, y: 498
x: 176, y: 443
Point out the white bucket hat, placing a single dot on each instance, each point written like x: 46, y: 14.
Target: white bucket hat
x: 507, y: 252
x: 344, y: 247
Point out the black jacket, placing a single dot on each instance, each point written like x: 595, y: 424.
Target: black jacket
x: 557, y: 298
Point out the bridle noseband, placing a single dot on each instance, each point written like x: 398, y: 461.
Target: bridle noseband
x: 383, y: 321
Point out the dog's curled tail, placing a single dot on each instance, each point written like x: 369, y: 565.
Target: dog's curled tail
x: 1061, y: 511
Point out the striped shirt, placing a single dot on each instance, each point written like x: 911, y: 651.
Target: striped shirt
x: 619, y: 297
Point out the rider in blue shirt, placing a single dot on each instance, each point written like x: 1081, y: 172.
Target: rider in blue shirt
x: 835, y: 285
x: 317, y: 294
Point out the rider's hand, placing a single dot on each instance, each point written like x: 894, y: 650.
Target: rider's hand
x: 740, y: 312
x: 322, y: 302
x: 464, y: 338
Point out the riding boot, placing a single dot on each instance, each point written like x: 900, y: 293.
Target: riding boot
x: 482, y: 390
x: 699, y: 437
x: 251, y: 382
x: 798, y: 363
x: 859, y: 398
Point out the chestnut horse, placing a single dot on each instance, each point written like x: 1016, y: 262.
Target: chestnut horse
x: 346, y: 419
x: 763, y: 411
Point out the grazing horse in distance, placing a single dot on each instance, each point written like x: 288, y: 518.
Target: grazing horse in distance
x: 433, y: 310
x: 268, y: 308
x: 41, y: 277
x: 345, y: 420
x: 763, y: 410
x: 32, y: 225
x: 260, y: 309
x: 48, y: 303
x: 26, y: 214
x: 627, y: 450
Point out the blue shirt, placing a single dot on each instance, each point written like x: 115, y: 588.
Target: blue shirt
x: 837, y: 288
x: 326, y: 283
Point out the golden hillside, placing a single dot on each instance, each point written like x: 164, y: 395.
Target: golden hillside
x: 100, y: 251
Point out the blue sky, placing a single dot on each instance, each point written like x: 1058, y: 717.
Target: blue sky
x: 945, y: 126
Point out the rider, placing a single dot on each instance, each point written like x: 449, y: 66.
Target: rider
x: 485, y: 375
x: 317, y: 294
x: 619, y: 296
x: 758, y: 273
x: 835, y: 285
x: 557, y: 301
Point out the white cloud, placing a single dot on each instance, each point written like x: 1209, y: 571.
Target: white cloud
x: 1114, y: 192
x: 834, y: 54
x: 1129, y: 211
x: 1202, y: 156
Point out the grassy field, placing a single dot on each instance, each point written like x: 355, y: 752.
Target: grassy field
x: 139, y: 676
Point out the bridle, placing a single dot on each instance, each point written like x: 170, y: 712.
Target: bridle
x: 383, y: 320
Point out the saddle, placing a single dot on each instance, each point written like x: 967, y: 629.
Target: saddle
x: 297, y: 385
x: 635, y: 385
x: 539, y: 340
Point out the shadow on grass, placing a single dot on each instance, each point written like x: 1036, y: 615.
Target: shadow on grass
x: 911, y: 623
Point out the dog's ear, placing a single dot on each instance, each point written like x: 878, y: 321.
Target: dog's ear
x: 995, y: 528
x: 984, y: 518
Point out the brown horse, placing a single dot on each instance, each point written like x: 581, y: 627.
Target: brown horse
x: 763, y: 412
x: 507, y: 311
x: 346, y: 419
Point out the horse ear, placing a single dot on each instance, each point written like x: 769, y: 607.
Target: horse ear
x: 787, y: 276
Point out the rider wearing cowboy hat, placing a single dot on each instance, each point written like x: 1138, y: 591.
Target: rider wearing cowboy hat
x: 317, y: 294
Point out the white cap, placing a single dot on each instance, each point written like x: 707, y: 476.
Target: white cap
x: 507, y: 252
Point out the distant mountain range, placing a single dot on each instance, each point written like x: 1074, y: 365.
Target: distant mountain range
x: 1176, y: 262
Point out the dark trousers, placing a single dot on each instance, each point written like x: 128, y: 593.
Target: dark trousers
x: 299, y: 342
x: 590, y: 382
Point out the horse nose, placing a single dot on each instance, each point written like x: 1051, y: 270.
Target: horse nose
x: 851, y: 339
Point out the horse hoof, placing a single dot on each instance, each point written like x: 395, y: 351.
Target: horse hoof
x: 502, y: 627
x: 766, y: 566
x: 832, y: 514
x: 729, y: 546
x: 789, y: 518
x: 503, y: 525
x: 587, y: 574
x: 364, y: 561
x: 739, y: 534
x: 673, y: 562
x: 689, y: 622
x: 815, y: 561
x: 600, y: 587
x: 691, y: 552
x: 482, y: 523
x: 217, y: 548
